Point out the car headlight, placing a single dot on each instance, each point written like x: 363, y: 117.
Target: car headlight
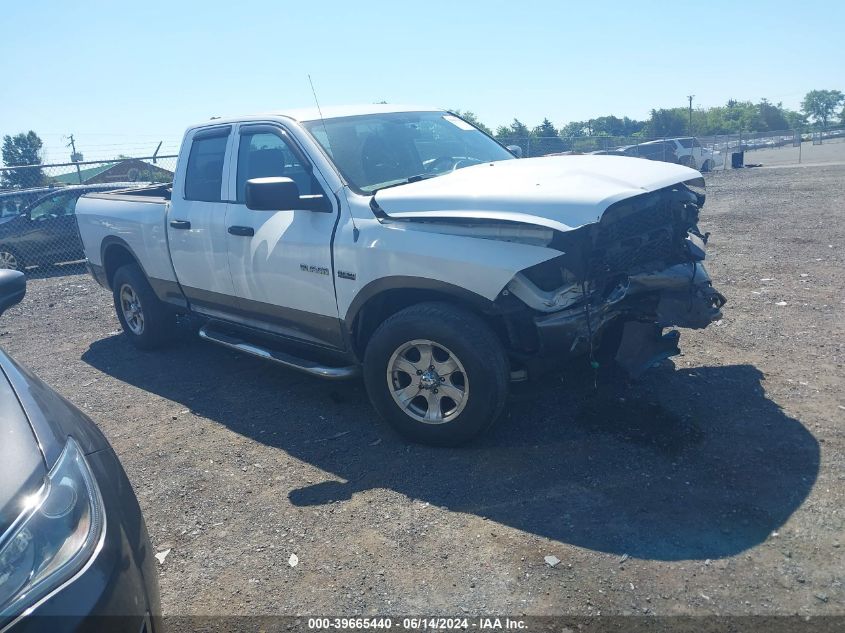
x: 56, y: 533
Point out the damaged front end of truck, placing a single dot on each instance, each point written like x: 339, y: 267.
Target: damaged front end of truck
x: 617, y: 286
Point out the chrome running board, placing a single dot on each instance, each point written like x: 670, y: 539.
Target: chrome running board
x: 278, y: 357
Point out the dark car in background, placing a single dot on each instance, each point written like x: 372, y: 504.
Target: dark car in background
x: 45, y: 231
x: 14, y: 201
x: 653, y: 150
x: 74, y: 550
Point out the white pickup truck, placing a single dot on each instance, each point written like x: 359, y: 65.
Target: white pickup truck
x: 407, y: 245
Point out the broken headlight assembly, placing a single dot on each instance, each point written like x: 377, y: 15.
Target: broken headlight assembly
x: 56, y: 534
x: 631, y: 274
x: 696, y: 185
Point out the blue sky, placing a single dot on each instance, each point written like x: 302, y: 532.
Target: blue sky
x: 123, y: 75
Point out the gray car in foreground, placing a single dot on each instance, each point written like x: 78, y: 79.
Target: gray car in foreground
x: 74, y: 550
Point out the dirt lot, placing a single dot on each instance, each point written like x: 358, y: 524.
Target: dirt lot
x: 713, y: 486
x: 830, y: 151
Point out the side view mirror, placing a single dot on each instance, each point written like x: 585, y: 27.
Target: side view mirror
x: 281, y: 194
x: 12, y: 288
x: 516, y: 150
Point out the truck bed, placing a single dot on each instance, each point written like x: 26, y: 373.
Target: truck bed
x: 154, y: 193
x: 131, y: 219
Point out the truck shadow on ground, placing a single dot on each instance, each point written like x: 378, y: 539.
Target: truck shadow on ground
x: 688, y: 464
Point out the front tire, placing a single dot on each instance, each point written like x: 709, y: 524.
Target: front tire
x: 437, y: 373
x: 147, y: 321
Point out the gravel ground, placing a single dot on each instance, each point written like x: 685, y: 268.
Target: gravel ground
x: 712, y: 486
x: 830, y: 151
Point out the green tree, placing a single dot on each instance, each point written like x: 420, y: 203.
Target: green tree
x: 738, y: 116
x: 571, y: 131
x: 772, y: 117
x: 728, y: 119
x: 547, y: 140
x: 734, y: 116
x: 614, y: 126
x: 821, y: 104
x: 795, y: 120
x: 517, y: 133
x: 668, y: 122
x: 574, y: 129
x: 22, y: 149
x: 607, y: 126
x: 472, y: 118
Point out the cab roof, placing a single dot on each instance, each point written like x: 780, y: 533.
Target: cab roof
x: 304, y: 115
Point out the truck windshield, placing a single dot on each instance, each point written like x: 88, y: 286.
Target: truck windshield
x: 375, y: 151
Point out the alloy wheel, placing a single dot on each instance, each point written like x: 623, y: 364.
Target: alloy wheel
x: 427, y: 381
x: 133, y: 313
x: 8, y: 261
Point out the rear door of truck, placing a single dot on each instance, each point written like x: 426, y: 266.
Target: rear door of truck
x: 196, y: 221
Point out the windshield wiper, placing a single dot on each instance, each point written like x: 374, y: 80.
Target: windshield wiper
x: 406, y: 181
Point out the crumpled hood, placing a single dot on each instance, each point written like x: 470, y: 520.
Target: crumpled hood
x: 558, y: 192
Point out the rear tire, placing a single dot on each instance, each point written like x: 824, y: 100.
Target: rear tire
x: 687, y: 161
x: 10, y: 259
x: 437, y: 373
x: 148, y: 322
x: 707, y: 166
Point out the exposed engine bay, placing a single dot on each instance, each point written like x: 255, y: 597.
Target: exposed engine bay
x: 619, y: 282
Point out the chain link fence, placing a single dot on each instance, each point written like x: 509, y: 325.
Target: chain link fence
x: 706, y: 153
x: 38, y: 229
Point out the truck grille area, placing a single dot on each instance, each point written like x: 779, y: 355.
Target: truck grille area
x: 627, y: 254
x: 640, y: 231
x: 639, y: 264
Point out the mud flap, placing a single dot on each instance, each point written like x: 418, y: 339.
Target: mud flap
x: 642, y: 346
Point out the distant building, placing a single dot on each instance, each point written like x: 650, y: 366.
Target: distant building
x: 127, y: 170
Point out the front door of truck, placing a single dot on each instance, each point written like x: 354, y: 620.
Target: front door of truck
x: 196, y: 227
x: 281, y: 261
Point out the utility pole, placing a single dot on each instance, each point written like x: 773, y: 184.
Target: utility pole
x: 75, y: 157
x: 690, y: 97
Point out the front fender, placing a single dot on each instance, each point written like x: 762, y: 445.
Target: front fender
x: 422, y: 258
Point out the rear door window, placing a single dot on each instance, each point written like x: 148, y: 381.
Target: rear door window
x: 204, y: 174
